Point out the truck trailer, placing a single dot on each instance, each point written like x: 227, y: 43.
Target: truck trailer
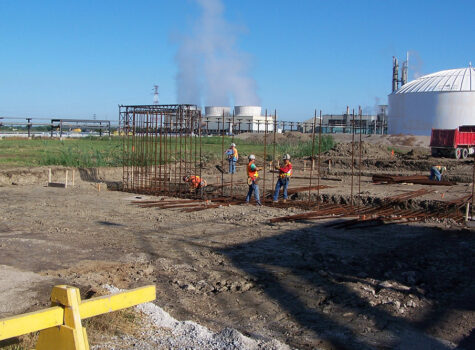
x: 455, y: 143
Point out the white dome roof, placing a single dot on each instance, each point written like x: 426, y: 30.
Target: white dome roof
x: 462, y: 79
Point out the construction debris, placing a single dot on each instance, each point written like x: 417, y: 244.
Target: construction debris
x: 384, y: 213
x: 417, y: 179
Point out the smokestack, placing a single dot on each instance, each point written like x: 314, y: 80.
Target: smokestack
x: 405, y: 66
x: 395, y: 74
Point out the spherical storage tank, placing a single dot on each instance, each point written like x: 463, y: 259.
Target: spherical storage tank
x: 442, y: 100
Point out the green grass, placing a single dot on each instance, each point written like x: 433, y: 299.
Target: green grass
x: 107, y: 152
x: 69, y: 152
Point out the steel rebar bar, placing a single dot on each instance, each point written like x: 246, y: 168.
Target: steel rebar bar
x: 313, y: 154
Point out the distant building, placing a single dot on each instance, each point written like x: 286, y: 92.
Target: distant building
x: 246, y: 119
x: 343, y: 123
x: 441, y: 100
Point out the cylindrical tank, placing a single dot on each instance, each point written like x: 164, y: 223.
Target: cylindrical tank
x: 442, y: 100
x: 247, y: 111
x: 217, y: 111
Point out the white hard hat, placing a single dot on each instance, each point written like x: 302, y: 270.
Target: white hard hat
x: 252, y: 156
x: 233, y: 145
x: 286, y: 156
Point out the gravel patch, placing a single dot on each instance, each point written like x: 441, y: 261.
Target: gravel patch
x: 162, y: 331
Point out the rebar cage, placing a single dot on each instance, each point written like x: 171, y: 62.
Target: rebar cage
x: 161, y: 144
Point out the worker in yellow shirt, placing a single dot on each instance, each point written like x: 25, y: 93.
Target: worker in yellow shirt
x: 252, y: 177
x: 233, y: 156
x: 436, y: 172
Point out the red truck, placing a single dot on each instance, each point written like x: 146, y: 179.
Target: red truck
x: 456, y: 143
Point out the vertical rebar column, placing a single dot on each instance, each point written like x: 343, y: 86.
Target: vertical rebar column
x: 222, y: 159
x: 195, y: 159
x: 232, y: 174
x: 313, y: 154
x: 181, y: 153
x: 171, y: 182
x: 360, y: 112
x: 352, y: 155
x: 200, y: 160
x: 160, y: 179
x: 147, y: 147
x: 185, y: 144
x: 124, y: 150
x: 134, y: 161
x: 175, y: 138
x: 273, y: 151
x: 265, y: 161
x: 319, y: 158
x: 155, y: 175
x: 191, y: 142
x: 166, y: 154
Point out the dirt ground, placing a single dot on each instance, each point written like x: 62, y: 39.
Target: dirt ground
x: 401, y: 286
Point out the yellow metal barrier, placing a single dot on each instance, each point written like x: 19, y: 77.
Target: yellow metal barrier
x: 60, y: 325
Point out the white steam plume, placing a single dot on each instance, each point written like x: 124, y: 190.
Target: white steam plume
x: 415, y: 64
x: 210, y: 68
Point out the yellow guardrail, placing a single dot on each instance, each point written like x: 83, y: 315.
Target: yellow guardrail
x: 60, y: 325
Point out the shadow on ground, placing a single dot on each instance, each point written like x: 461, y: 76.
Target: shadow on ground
x: 390, y: 287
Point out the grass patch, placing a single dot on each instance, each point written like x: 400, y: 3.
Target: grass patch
x: 304, y: 149
x: 107, y: 152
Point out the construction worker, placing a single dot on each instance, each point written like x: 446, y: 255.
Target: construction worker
x: 252, y: 177
x: 195, y: 182
x: 285, y: 172
x: 232, y: 154
x: 436, y: 172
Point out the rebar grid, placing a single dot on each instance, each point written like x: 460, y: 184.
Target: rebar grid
x: 161, y: 144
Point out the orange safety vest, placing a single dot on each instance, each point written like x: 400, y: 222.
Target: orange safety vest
x: 288, y: 173
x: 194, y: 181
x: 235, y: 154
x: 250, y: 173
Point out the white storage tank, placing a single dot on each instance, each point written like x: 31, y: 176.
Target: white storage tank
x: 442, y: 100
x: 243, y: 111
x: 217, y: 111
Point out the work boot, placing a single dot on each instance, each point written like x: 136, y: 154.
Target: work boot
x: 284, y: 201
x: 259, y: 204
x: 275, y: 202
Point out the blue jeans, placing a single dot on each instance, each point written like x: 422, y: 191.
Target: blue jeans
x: 435, y: 174
x: 281, y: 182
x: 232, y: 166
x: 253, y: 188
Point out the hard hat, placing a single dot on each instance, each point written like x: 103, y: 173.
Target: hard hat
x: 233, y: 145
x: 286, y: 156
x: 252, y: 156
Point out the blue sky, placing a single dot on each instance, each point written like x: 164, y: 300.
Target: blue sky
x: 79, y: 58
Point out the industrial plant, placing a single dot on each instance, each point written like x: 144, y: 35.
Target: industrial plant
x: 441, y: 100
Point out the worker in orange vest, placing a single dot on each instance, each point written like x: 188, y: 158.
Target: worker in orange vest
x: 285, y: 172
x: 233, y: 156
x: 195, y: 182
x: 252, y: 177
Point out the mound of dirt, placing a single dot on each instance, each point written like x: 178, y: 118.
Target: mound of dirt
x: 367, y: 150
